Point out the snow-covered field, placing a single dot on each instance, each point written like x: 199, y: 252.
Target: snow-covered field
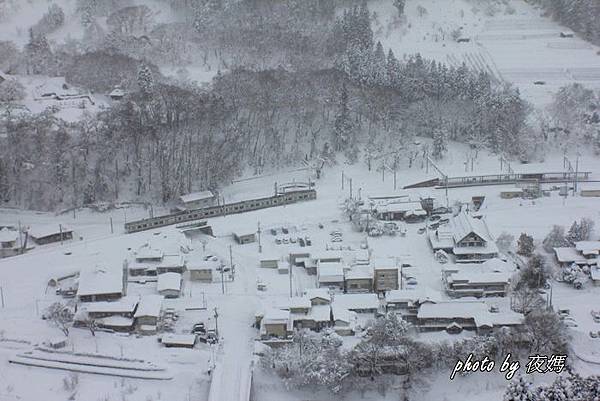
x: 512, y: 41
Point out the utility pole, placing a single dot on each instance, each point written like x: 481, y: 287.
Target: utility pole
x: 222, y: 279
x: 290, y: 276
x: 2, y: 296
x: 576, y: 173
x: 342, y: 180
x: 112, y: 231
x: 259, y: 244
x: 395, y: 167
x: 231, y: 262
x: 61, y: 236
x: 20, y: 235
x: 216, y: 315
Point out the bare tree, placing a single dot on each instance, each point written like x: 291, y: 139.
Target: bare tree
x: 61, y: 316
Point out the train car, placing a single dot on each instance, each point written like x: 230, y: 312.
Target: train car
x: 221, y: 210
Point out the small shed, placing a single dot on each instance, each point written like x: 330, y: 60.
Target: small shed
x: 244, y: 238
x: 511, y: 193
x: 169, y: 285
x: 203, y: 271
x: 178, y: 340
x: 269, y: 262
x: 42, y: 235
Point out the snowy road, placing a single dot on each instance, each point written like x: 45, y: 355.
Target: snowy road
x: 236, y: 309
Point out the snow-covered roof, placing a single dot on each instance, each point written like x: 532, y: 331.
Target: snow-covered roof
x: 330, y: 272
x: 123, y: 305
x: 488, y: 248
x: 196, y: 196
x: 359, y: 272
x: 117, y: 92
x: 506, y: 318
x: 274, y: 316
x: 41, y: 231
x: 595, y: 273
x: 98, y: 280
x: 147, y: 252
x: 149, y: 305
x: 328, y: 254
x: 7, y: 235
x: 171, y: 261
x: 463, y: 225
x: 322, y: 293
x: 203, y: 265
x: 361, y: 257
x: 457, y: 310
x: 588, y: 247
x: 410, y: 295
x: 384, y: 264
x: 343, y: 315
x: 399, y: 207
x: 569, y: 255
x: 320, y: 313
x: 179, y: 339
x: 476, y: 277
x: 270, y: 258
x: 298, y: 302
x: 169, y: 281
x: 356, y: 301
x: 115, y: 321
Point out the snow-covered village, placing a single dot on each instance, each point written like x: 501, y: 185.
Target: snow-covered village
x: 299, y: 200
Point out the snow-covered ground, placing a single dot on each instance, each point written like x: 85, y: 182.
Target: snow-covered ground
x: 24, y: 280
x: 512, y: 41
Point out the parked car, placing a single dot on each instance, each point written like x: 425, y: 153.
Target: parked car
x: 210, y: 257
x: 301, y: 241
x: 278, y: 241
x: 308, y: 241
x: 286, y: 240
x: 273, y: 231
x: 421, y: 230
x: 285, y: 230
x: 293, y: 240
x: 336, y: 239
x: 435, y: 217
x: 444, y: 221
x: 411, y: 281
x: 321, y: 225
x: 593, y: 334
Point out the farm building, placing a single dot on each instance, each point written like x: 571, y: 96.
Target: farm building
x: 101, y: 284
x: 245, y: 238
x: 42, y: 235
x: 169, y: 285
x: 148, y: 312
x: 203, y: 271
x: 198, y: 200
